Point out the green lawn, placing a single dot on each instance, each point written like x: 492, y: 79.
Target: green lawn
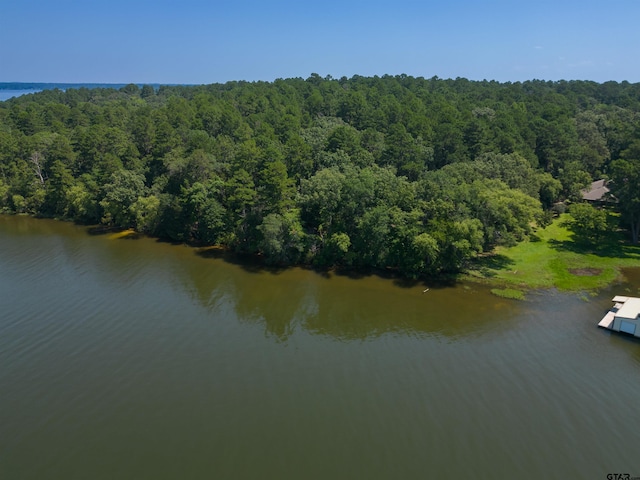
x: 553, y: 258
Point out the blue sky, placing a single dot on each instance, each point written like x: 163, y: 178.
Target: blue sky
x: 197, y: 41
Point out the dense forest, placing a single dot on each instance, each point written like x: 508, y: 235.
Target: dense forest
x: 417, y: 175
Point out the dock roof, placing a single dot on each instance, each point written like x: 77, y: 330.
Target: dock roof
x: 630, y: 308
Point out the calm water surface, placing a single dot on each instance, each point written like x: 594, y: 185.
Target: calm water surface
x: 130, y: 358
x: 7, y: 94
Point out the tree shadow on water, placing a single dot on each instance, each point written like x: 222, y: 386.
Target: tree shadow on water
x: 249, y: 263
x: 391, y: 274
x: 434, y: 282
x: 103, y: 230
x: 256, y: 264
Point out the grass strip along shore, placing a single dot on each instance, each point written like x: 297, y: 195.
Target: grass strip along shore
x: 555, y: 258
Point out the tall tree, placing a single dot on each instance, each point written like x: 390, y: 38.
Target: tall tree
x: 625, y: 178
x: 122, y: 191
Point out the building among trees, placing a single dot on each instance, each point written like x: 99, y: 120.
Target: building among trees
x: 598, y: 192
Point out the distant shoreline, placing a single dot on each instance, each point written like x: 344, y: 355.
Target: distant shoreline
x: 51, y: 86
x: 10, y: 90
x: 64, y: 86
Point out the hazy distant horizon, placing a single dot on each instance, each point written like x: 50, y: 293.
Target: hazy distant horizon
x: 8, y: 90
x: 30, y: 85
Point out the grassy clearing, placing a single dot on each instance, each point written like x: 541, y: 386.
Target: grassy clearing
x: 553, y: 258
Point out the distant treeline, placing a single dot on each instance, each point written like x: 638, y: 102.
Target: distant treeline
x: 414, y: 174
x: 61, y: 86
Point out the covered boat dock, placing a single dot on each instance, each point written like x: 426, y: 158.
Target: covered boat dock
x: 624, y: 316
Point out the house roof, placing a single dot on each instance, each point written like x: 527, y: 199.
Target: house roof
x: 597, y: 191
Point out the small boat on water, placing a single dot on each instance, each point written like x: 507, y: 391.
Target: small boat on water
x: 624, y: 316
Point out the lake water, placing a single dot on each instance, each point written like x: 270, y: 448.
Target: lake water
x: 7, y: 94
x: 129, y: 358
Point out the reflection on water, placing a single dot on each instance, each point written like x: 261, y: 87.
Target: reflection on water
x: 338, y: 305
x: 139, y: 359
x: 283, y: 300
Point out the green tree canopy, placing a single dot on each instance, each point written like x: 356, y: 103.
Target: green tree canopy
x: 410, y: 174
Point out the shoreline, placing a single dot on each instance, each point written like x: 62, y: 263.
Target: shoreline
x: 543, y: 263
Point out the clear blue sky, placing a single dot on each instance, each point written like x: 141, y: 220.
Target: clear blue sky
x: 198, y: 41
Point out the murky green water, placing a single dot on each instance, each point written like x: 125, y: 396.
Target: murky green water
x: 129, y: 358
